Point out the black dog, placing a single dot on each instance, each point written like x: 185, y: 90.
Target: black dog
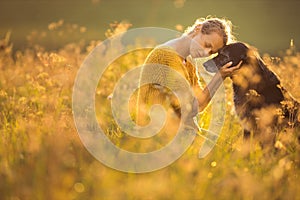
x: 262, y: 104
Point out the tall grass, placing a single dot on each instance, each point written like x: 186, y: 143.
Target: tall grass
x: 42, y: 157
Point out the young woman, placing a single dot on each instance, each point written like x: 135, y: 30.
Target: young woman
x: 202, y: 39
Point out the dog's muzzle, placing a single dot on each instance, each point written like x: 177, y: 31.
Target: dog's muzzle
x: 210, y: 66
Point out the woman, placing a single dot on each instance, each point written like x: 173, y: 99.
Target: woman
x: 202, y: 39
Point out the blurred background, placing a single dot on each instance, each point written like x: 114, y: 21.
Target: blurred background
x: 43, y: 43
x: 267, y: 24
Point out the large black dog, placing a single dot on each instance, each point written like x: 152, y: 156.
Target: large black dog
x: 262, y: 104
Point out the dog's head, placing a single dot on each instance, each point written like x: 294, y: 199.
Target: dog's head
x: 234, y: 52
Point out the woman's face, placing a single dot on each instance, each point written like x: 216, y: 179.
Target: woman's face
x: 203, y: 45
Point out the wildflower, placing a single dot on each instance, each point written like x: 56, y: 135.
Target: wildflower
x: 3, y: 94
x: 55, y: 25
x: 82, y: 29
x: 117, y: 28
x: 79, y: 187
x: 22, y: 100
x: 213, y: 164
x: 279, y: 145
x: 60, y: 22
x: 288, y: 105
x: 109, y: 96
x: 43, y: 75
x: 209, y: 175
x: 52, y: 26
x: 179, y: 27
x: 279, y: 113
x: 253, y: 93
x: 56, y: 58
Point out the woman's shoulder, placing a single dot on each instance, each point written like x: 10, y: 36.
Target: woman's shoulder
x: 164, y: 48
x: 163, y: 52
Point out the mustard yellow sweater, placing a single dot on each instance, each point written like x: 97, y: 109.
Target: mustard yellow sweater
x: 150, y: 94
x: 170, y: 58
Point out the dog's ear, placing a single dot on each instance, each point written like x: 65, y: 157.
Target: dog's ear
x: 252, y: 56
x: 268, y: 74
x: 238, y: 51
x: 244, y: 58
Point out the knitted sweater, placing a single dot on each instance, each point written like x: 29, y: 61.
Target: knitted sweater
x: 150, y: 94
x: 167, y: 56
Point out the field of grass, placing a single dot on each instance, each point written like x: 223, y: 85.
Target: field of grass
x: 42, y: 157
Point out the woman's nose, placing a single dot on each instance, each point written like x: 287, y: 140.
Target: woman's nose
x: 207, y: 52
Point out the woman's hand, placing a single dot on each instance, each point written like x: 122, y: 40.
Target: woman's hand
x: 226, y: 70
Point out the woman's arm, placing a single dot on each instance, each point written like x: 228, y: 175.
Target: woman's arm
x: 204, y: 96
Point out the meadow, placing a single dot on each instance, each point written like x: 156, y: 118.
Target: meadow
x: 42, y: 157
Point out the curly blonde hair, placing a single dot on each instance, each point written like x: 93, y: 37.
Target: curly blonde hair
x: 208, y: 25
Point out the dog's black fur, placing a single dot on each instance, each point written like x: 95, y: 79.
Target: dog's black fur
x: 261, y: 103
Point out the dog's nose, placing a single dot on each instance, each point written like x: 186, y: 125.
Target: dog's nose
x: 210, y: 66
